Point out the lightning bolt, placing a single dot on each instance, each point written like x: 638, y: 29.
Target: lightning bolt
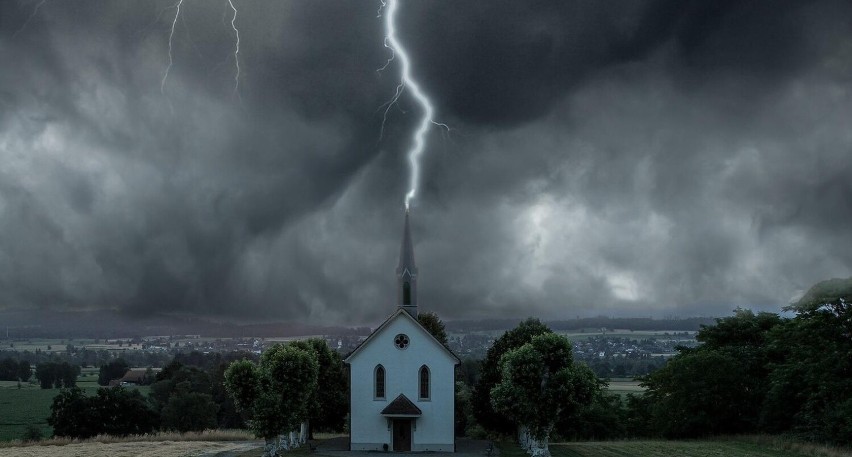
x: 32, y: 15
x: 236, y: 49
x: 407, y: 82
x: 171, y: 36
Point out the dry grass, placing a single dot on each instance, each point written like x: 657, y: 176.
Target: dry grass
x: 205, y: 436
x: 131, y: 449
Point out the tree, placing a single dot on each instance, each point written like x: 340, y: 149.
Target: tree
x: 53, y: 374
x: 184, y: 400
x: 433, y: 324
x: 25, y: 372
x: 328, y: 409
x: 275, y: 394
x: 718, y: 387
x: 811, y: 380
x: 114, y: 411
x: 188, y: 411
x: 701, y: 393
x: 490, y: 374
x: 539, y: 383
x: 112, y: 370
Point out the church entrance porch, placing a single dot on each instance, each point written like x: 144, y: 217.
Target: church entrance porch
x: 401, y: 435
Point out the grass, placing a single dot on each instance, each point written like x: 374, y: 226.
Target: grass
x: 623, y: 387
x: 30, y: 405
x: 761, y: 446
x: 206, y: 436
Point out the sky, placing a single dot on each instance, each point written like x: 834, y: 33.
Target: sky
x: 654, y: 158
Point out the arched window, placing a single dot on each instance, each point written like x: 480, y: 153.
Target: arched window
x: 406, y: 294
x: 380, y: 382
x: 424, y: 382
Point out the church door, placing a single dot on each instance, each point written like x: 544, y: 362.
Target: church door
x: 401, y: 435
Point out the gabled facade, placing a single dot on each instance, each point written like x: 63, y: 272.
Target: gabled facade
x: 402, y: 379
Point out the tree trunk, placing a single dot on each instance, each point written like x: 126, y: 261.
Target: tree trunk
x: 270, y: 449
x: 539, y: 447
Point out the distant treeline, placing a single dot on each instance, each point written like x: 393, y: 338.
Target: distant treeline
x: 626, y: 323
x: 112, y: 324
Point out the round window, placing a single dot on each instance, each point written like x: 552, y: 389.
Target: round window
x: 401, y: 341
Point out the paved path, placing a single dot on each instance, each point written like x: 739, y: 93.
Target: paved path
x: 338, y: 447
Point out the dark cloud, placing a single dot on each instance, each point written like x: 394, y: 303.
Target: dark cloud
x: 605, y: 157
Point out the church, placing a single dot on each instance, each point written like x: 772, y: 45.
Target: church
x: 402, y: 380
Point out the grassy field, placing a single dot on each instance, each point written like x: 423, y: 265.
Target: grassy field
x: 31, y: 405
x: 624, y: 386
x: 738, y: 447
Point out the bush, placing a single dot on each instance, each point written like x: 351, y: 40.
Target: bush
x: 32, y: 433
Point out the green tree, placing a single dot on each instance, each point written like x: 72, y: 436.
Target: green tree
x: 718, y: 387
x: 276, y: 393
x: 539, y: 383
x: 25, y: 371
x: 328, y: 408
x: 188, y: 411
x: 55, y: 374
x: 700, y: 393
x: 490, y: 374
x: 112, y: 370
x: 113, y: 411
x: 432, y: 323
x: 811, y: 380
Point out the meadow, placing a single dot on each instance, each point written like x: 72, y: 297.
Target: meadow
x: 758, y: 446
x: 624, y: 386
x: 30, y: 405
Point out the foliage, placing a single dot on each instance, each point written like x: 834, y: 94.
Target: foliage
x: 811, y: 378
x: 718, y: 387
x: 188, y: 411
x: 112, y: 370
x: 32, y: 433
x: 604, y: 418
x: 760, y: 373
x: 490, y: 375
x: 56, y: 374
x: 462, y: 412
x: 12, y: 370
x: 540, y: 382
x: 431, y: 322
x: 184, y: 400
x: 112, y: 411
x: 328, y: 407
x: 276, y: 393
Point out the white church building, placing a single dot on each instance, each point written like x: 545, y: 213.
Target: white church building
x: 402, y: 379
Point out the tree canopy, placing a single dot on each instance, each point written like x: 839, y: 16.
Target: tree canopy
x: 433, y: 324
x: 276, y: 393
x: 490, y: 374
x: 762, y: 373
x: 539, y: 383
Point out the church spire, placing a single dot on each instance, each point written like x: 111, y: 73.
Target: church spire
x: 406, y: 273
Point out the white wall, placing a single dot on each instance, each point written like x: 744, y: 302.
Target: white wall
x: 435, y: 428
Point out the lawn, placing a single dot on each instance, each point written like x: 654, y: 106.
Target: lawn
x: 716, y: 448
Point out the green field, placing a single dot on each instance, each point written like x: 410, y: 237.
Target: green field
x: 624, y: 386
x: 716, y: 448
x: 31, y: 405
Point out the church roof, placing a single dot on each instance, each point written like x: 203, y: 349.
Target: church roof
x: 385, y: 324
x: 406, y: 251
x: 401, y: 406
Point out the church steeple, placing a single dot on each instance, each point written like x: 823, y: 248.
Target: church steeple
x: 406, y: 273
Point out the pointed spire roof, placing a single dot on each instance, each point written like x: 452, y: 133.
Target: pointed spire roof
x: 406, y: 251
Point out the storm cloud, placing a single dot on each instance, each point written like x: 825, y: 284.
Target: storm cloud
x: 632, y: 158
